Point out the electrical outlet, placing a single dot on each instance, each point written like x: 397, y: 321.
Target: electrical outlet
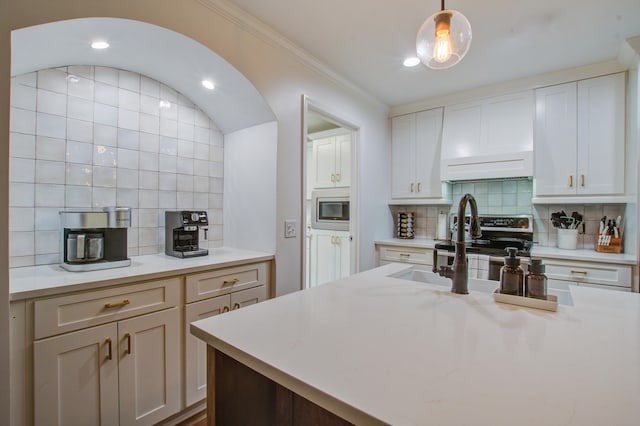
x: 289, y: 228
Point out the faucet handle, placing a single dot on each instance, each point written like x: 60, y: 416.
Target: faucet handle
x: 474, y: 228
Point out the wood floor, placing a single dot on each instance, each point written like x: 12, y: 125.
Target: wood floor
x: 199, y: 419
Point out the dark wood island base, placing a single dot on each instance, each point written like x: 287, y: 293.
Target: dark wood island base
x: 238, y: 395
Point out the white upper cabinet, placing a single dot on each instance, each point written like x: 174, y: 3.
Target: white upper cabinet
x: 331, y: 160
x: 580, y: 138
x: 415, y: 155
x: 489, y: 138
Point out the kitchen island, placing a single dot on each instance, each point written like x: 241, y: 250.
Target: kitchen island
x: 378, y: 350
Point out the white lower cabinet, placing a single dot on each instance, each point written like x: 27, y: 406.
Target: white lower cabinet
x: 196, y: 350
x: 421, y: 258
x: 588, y: 274
x: 331, y: 256
x: 125, y: 372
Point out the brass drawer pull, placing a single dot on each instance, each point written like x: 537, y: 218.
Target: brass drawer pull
x: 116, y: 305
x: 233, y: 281
x: 411, y: 186
x: 405, y: 255
x: 419, y: 186
x: 236, y: 306
x: 225, y: 309
x: 110, y: 355
x: 128, y: 337
x: 579, y: 272
x: 582, y: 180
x: 338, y: 177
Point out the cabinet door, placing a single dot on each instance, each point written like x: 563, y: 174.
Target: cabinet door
x: 403, y: 136
x: 76, y: 378
x: 149, y: 367
x: 601, y: 135
x: 343, y: 160
x: 462, y: 131
x: 427, y: 153
x: 508, y: 123
x: 555, y: 140
x: 342, y: 244
x: 325, y: 162
x: 243, y: 298
x: 324, y: 251
x: 195, y: 350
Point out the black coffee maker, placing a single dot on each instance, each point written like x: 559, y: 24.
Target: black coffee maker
x: 182, y: 229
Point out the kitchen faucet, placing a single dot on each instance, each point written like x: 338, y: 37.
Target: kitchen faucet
x: 458, y: 271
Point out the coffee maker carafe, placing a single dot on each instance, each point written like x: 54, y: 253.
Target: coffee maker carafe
x: 94, y: 240
x: 182, y: 229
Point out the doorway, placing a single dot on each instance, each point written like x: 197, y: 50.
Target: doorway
x: 329, y: 167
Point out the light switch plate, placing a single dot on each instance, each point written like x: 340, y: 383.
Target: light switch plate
x: 290, y: 228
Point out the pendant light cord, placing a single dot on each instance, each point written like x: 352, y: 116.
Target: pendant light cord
x: 442, y: 5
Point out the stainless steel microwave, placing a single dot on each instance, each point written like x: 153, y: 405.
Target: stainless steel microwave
x: 330, y: 209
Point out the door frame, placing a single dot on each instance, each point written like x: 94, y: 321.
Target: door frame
x: 337, y: 118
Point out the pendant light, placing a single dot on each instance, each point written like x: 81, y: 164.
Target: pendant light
x: 443, y: 39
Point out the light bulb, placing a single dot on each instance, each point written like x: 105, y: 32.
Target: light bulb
x: 442, y: 47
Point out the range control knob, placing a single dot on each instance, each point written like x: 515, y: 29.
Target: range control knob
x: 195, y: 217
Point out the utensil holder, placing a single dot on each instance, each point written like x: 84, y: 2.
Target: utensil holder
x: 608, y: 244
x: 567, y: 239
x: 405, y: 225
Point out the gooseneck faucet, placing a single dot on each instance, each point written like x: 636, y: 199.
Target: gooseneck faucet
x: 458, y: 271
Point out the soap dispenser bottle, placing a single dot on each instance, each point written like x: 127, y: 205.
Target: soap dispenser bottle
x: 511, y: 274
x: 536, y: 281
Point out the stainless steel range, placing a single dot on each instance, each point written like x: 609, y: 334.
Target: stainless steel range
x: 486, y: 254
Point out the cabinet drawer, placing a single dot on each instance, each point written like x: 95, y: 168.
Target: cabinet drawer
x: 73, y: 312
x: 223, y: 281
x: 406, y: 255
x: 589, y: 273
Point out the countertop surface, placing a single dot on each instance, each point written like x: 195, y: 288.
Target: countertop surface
x: 45, y: 280
x: 380, y: 350
x: 537, y: 251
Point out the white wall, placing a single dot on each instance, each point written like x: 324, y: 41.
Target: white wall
x: 250, y: 157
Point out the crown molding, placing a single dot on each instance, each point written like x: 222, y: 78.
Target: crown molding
x: 264, y: 32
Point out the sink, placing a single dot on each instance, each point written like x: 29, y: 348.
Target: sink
x: 475, y: 285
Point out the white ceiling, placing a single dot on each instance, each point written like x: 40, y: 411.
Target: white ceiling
x: 164, y: 55
x: 365, y: 41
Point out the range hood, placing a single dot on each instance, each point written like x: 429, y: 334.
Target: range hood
x: 488, y: 139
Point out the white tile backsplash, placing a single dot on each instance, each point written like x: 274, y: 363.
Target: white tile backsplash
x: 23, y: 121
x: 22, y: 146
x: 80, y: 131
x: 50, y: 172
x: 51, y: 102
x: 85, y: 137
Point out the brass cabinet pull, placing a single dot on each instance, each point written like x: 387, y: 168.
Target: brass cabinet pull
x: 571, y: 181
x: 333, y: 177
x: 411, y: 187
x: 128, y: 338
x: 579, y: 272
x: 110, y: 355
x: 582, y: 180
x: 405, y: 255
x: 419, y: 185
x: 337, y: 177
x: 236, y: 306
x: 225, y: 309
x: 232, y: 281
x: 116, y: 305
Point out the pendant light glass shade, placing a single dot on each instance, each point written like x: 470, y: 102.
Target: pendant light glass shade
x: 443, y: 39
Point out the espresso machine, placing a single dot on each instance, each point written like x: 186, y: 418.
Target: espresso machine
x: 94, y: 240
x: 182, y: 229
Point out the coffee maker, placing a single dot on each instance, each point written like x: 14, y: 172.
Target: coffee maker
x: 94, y: 240
x: 182, y: 229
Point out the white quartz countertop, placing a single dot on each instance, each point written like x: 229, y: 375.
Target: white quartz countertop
x: 379, y: 350
x: 537, y: 251
x: 45, y: 280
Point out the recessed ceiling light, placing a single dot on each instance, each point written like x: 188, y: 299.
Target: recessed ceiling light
x: 164, y: 104
x: 72, y: 78
x: 411, y: 61
x: 208, y: 84
x: 99, y: 44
